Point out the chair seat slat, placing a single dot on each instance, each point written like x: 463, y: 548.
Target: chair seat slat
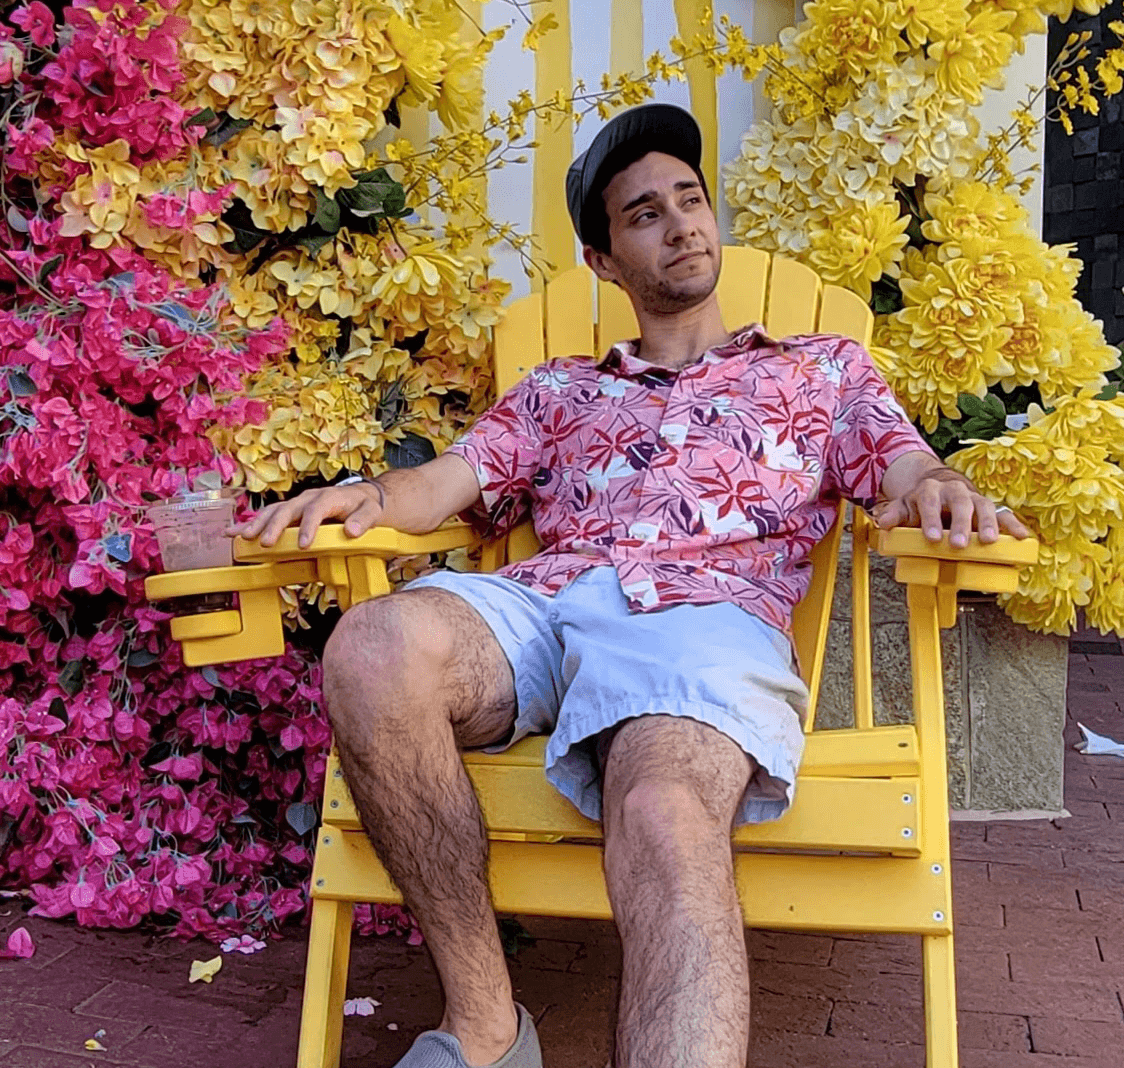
x: 794, y: 893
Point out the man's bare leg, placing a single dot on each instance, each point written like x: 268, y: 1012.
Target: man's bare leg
x: 407, y: 679
x: 671, y: 789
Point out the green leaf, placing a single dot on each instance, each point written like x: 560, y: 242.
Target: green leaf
x: 246, y: 240
x: 202, y: 118
x: 71, y: 678
x: 994, y: 406
x: 375, y: 193
x: 886, y: 296
x: 21, y: 384
x: 47, y: 269
x: 412, y: 451
x: 327, y: 215
x: 58, y: 710
x: 969, y: 404
x: 142, y: 658
x: 225, y: 130
x: 313, y: 243
x: 301, y: 817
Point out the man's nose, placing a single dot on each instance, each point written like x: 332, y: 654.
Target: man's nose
x: 680, y: 225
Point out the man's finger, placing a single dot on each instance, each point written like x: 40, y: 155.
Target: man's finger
x: 927, y: 499
x: 328, y: 504
x: 363, y: 518
x: 1009, y: 523
x: 986, y: 523
x: 284, y: 514
x: 892, y: 514
x: 960, y: 505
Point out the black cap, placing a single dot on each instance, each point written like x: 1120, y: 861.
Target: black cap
x: 648, y: 128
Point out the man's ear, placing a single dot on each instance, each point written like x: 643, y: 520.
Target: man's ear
x: 601, y: 264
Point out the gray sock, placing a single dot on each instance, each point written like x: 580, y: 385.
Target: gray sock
x: 439, y: 1049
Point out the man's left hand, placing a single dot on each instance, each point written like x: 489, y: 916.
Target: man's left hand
x: 941, y: 492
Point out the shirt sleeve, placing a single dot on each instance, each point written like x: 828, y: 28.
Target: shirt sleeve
x: 870, y: 429
x: 504, y: 448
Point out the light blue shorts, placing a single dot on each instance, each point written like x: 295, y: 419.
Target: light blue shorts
x: 584, y: 664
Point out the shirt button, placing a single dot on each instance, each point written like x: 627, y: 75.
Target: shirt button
x: 676, y: 483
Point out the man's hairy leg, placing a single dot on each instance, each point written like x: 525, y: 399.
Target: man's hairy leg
x: 671, y: 789
x: 408, y: 679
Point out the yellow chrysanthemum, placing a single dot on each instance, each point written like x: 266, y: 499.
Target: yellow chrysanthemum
x: 1105, y: 609
x: 972, y: 209
x: 853, y: 35
x: 975, y: 56
x: 1051, y: 591
x: 1086, y: 356
x: 861, y: 246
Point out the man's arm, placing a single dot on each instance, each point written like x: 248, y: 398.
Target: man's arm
x: 414, y: 500
x: 918, y: 490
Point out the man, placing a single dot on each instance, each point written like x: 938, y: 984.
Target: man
x: 677, y: 486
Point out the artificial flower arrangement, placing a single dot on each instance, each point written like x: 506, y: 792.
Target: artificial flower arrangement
x: 211, y: 268
x: 873, y: 170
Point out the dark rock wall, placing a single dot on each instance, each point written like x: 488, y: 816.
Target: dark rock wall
x: 1084, y: 190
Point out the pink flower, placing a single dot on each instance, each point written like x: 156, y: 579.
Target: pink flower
x: 20, y: 945
x: 37, y: 20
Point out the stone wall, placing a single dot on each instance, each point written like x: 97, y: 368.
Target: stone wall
x: 1084, y: 198
x: 1004, y: 693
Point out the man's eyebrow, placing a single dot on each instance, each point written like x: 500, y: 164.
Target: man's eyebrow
x: 686, y: 183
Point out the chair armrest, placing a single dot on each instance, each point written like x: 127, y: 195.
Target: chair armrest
x: 911, y: 541
x: 383, y: 542
x: 990, y: 568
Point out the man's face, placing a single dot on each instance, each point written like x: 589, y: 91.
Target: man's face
x: 666, y: 251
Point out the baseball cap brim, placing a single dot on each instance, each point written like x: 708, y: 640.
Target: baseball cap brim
x: 659, y: 127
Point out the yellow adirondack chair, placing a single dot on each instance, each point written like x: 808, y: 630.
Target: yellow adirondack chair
x: 864, y: 848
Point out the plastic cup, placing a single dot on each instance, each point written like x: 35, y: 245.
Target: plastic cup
x: 191, y: 530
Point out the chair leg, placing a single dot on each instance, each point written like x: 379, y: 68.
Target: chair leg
x: 325, y: 984
x: 940, y: 1002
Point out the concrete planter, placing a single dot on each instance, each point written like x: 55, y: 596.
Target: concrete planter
x: 1004, y: 694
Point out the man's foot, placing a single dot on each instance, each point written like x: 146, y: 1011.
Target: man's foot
x: 439, y: 1049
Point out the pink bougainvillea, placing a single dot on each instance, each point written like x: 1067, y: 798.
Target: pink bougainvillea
x: 132, y: 788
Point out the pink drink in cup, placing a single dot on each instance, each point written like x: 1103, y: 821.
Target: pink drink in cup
x: 191, y: 530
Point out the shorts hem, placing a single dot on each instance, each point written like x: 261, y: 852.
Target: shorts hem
x: 584, y: 790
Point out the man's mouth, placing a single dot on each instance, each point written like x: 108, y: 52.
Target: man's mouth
x: 687, y: 256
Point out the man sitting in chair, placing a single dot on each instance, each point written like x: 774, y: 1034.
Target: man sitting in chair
x: 677, y: 486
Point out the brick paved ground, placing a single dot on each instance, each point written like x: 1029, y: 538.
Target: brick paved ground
x: 1040, y: 952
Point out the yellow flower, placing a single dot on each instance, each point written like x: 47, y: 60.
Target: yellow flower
x: 250, y: 302
x: 972, y: 209
x: 851, y: 35
x: 277, y: 194
x: 1105, y: 609
x: 1051, y: 591
x: 925, y: 20
x: 1086, y: 356
x: 420, y: 57
x: 860, y: 246
x: 100, y: 203
x: 976, y: 56
x: 462, y: 89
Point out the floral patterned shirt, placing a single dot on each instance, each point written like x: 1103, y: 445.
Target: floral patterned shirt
x: 710, y: 483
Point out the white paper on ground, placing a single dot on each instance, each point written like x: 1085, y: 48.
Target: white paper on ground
x: 1098, y: 744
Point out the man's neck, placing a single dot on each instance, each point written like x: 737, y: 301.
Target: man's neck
x: 680, y: 338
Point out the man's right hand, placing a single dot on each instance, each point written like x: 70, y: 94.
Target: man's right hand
x: 360, y: 505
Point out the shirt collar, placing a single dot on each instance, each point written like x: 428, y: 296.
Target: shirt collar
x: 622, y: 358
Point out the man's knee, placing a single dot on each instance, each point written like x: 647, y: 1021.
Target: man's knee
x: 386, y: 645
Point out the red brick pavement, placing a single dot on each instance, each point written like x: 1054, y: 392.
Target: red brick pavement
x: 1040, y: 958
